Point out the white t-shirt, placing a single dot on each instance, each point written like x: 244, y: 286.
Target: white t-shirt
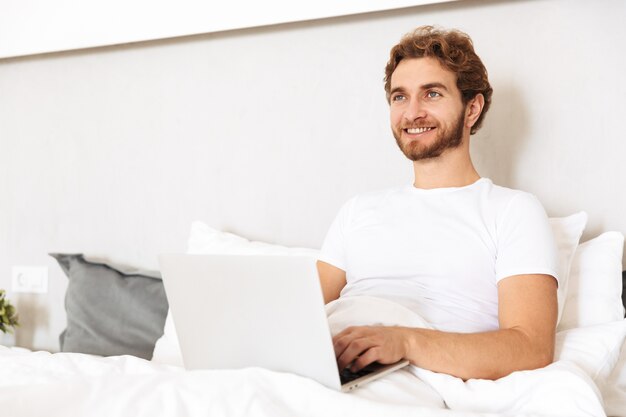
x: 441, y: 252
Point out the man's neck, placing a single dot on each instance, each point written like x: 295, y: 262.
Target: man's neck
x: 453, y: 168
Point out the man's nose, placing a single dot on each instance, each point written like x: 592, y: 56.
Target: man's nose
x: 414, y: 110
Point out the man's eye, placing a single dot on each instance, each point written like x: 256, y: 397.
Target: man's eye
x: 433, y: 94
x: 397, y: 97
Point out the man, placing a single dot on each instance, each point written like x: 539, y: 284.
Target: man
x: 475, y: 260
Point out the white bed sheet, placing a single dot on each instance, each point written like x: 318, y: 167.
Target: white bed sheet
x: 614, y: 391
x: 588, y: 379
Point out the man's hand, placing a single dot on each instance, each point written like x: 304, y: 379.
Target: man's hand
x: 363, y: 345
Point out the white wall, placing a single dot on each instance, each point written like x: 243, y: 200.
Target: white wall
x: 265, y: 132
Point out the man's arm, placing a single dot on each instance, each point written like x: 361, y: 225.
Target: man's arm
x: 527, y: 316
x: 332, y: 280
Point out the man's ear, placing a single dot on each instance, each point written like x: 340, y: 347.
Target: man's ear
x: 473, y: 110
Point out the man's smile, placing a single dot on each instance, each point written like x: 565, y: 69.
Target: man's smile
x: 418, y: 130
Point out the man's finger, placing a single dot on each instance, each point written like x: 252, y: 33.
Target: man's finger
x: 354, y: 349
x: 341, y: 343
x: 369, y: 356
x: 342, y: 339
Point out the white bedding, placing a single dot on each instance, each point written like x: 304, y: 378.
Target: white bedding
x: 587, y: 379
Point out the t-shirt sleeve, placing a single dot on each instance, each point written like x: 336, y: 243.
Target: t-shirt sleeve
x: 525, y: 240
x: 334, y: 247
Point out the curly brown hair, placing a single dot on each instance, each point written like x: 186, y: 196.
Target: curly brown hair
x: 455, y: 52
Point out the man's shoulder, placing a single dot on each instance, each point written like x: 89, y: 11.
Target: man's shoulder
x: 507, y: 195
x: 514, y: 205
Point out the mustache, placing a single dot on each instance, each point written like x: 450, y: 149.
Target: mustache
x: 419, y: 125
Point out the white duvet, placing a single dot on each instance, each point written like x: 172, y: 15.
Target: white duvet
x: 588, y: 378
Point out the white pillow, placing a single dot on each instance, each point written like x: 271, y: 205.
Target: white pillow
x: 567, y: 232
x: 595, y: 283
x: 206, y: 240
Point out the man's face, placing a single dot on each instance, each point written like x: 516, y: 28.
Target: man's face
x: 427, y: 113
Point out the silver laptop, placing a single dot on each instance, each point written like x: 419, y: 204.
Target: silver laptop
x: 238, y: 311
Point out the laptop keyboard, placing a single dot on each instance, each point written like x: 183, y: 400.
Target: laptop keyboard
x: 347, y: 375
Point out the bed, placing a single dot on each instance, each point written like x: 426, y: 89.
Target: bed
x: 120, y: 357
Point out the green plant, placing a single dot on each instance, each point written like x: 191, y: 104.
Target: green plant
x: 8, y: 315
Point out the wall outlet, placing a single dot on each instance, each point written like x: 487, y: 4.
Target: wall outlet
x: 31, y: 279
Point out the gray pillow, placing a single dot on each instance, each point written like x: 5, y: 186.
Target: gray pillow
x: 110, y: 312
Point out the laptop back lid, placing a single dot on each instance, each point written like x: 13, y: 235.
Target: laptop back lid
x: 237, y: 311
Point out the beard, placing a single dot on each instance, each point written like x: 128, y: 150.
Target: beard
x: 446, y: 139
